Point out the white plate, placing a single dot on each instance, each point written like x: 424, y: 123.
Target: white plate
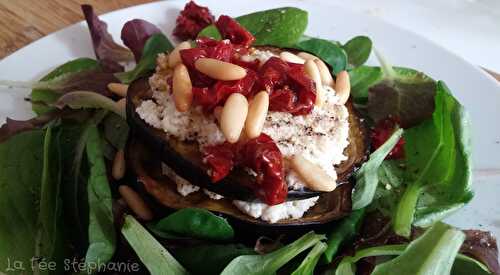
x: 479, y: 92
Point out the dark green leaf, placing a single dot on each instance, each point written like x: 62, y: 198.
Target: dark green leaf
x: 309, y: 263
x: 367, y: 176
x: 270, y: 263
x: 102, y: 238
x: 390, y: 188
x: 342, y: 233
x: 50, y: 202
x: 21, y: 168
x: 152, y: 254
x: 156, y: 44
x: 358, y: 50
x: 328, y: 51
x: 439, y: 165
x: 116, y: 130
x: 195, y: 258
x: 280, y: 27
x: 196, y: 223
x: 48, y: 96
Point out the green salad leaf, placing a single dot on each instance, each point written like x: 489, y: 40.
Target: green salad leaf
x: 195, y: 258
x: 197, y: 223
x: 156, y: 44
x: 309, y: 263
x: 342, y: 233
x: 50, y: 202
x: 327, y: 50
x: 358, y: 50
x: 280, y: 27
x: 270, y: 263
x: 438, y: 165
x: 367, y: 176
x: 102, y: 239
x: 432, y: 253
x: 362, y: 79
x: 116, y: 130
x: 48, y: 96
x: 152, y: 254
x: 25, y: 226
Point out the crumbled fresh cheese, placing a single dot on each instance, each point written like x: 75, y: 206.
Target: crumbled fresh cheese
x: 320, y: 136
x: 192, y: 125
x: 212, y: 195
x: 183, y: 186
x: 287, y: 210
x: 262, y: 56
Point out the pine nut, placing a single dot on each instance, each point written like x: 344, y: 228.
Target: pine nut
x: 326, y: 76
x: 313, y: 72
x: 118, y: 89
x: 175, y: 57
x: 307, y: 56
x: 292, y: 58
x: 217, y: 112
x: 314, y: 176
x: 343, y: 87
x: 219, y: 70
x: 119, y: 165
x: 233, y: 116
x: 135, y: 202
x: 122, y: 104
x: 182, y: 88
x: 257, y: 112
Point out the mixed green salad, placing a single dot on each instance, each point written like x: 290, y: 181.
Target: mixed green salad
x: 60, y: 205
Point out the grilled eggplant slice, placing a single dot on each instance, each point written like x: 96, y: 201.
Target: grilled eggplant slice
x: 186, y: 160
x: 146, y: 164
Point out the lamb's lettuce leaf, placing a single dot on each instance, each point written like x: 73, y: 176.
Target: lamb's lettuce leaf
x: 367, y: 176
x: 307, y: 265
x: 152, y: 254
x: 281, y: 27
x: 195, y: 258
x: 342, y: 233
x: 196, y: 223
x: 270, y: 263
x: 327, y: 50
x: 358, y: 50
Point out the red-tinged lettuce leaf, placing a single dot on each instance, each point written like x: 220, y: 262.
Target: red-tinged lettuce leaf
x: 12, y: 127
x: 88, y: 80
x: 135, y: 33
x: 482, y: 246
x: 86, y: 99
x: 409, y: 97
x: 105, y: 47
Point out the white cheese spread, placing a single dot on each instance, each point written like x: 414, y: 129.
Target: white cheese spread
x: 273, y: 213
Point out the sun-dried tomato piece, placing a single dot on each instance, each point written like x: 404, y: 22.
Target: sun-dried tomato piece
x: 192, y: 20
x: 382, y: 132
x: 222, y: 50
x: 220, y: 159
x: 232, y: 30
x: 188, y: 57
x: 262, y: 155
